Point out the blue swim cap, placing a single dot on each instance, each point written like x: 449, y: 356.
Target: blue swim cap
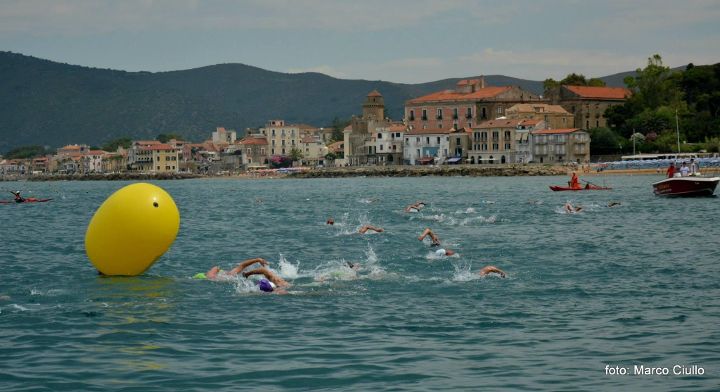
x: 265, y: 285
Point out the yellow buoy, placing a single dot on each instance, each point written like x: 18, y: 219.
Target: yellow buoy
x: 131, y: 230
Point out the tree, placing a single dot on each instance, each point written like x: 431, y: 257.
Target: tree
x: 605, y: 141
x: 550, y: 83
x: 574, y: 79
x: 655, y: 85
x: 26, y: 152
x: 296, y: 154
x: 164, y: 137
x: 338, y: 126
x: 330, y: 156
x: 124, y: 142
x: 595, y: 82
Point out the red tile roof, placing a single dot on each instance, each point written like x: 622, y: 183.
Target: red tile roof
x: 430, y: 131
x: 450, y: 95
x: 397, y: 128
x: 555, y: 131
x: 500, y: 123
x: 256, y: 141
x: 157, y: 147
x: 374, y: 93
x: 336, y: 147
x: 529, y: 121
x: 600, y: 92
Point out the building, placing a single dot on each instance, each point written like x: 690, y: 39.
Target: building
x: 359, y: 137
x: 471, y: 103
x: 313, y: 149
x: 389, y: 144
x: 224, y: 136
x: 430, y: 145
x: 554, y: 116
x: 157, y: 158
x: 493, y: 142
x: 588, y: 104
x: 281, y: 138
x: 523, y: 148
x: 254, y: 151
x: 560, y: 145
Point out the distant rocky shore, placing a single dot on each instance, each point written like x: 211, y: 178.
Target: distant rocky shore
x: 111, y: 177
x: 421, y: 171
x: 329, y: 172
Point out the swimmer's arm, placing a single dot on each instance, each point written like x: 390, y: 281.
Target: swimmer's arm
x: 247, y: 263
x: 491, y: 269
x: 280, y: 282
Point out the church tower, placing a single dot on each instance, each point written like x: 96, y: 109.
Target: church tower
x: 374, y: 106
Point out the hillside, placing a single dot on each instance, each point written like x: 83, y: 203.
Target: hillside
x: 44, y: 102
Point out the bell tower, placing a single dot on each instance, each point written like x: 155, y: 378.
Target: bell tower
x: 374, y: 106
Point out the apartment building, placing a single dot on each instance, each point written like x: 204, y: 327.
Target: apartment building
x: 560, y: 145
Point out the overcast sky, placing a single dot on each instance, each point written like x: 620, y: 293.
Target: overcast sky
x: 406, y: 41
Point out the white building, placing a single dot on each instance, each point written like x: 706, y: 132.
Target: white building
x: 523, y: 146
x: 430, y: 145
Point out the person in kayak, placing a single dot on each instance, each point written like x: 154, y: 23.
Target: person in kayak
x: 18, y: 198
x: 574, y: 182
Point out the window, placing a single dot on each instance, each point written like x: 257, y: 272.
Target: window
x: 249, y: 151
x: 587, y: 124
x: 273, y: 142
x: 273, y: 132
x: 484, y: 113
x: 262, y: 151
x: 438, y: 140
x: 379, y: 136
x: 381, y: 147
x: 499, y: 110
x: 292, y: 142
x: 563, y: 120
x: 507, y: 146
x: 424, y: 114
x: 427, y: 140
x: 282, y: 142
x: 439, y: 114
x: 282, y: 133
x: 507, y: 135
x: 412, y: 115
x: 283, y: 151
x: 468, y: 112
x: 495, y: 147
x: 597, y: 124
x: 455, y: 114
x: 273, y: 151
x: 495, y: 136
x: 483, y: 136
x: 484, y: 147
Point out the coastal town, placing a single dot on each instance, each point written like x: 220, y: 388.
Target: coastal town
x: 473, y: 124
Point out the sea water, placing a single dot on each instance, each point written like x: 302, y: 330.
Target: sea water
x: 587, y: 294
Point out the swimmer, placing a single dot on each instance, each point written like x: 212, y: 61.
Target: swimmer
x: 416, y: 207
x: 435, y: 241
x: 272, y: 281
x: 614, y: 203
x: 491, y: 269
x: 215, y: 272
x: 444, y: 252
x: 571, y: 210
x: 330, y: 221
x: 353, y: 266
x: 365, y: 228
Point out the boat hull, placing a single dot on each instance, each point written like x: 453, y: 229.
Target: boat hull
x: 558, y: 188
x: 686, y: 186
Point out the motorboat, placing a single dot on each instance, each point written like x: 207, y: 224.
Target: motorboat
x: 686, y: 186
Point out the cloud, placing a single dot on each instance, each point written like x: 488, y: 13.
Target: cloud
x: 78, y: 17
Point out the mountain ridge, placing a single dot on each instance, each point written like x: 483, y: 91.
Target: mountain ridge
x: 51, y: 103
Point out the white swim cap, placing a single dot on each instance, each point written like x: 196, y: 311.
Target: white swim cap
x: 440, y: 252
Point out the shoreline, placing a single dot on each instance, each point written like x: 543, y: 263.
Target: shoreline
x: 361, y: 171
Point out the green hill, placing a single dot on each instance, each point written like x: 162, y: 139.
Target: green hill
x: 50, y: 103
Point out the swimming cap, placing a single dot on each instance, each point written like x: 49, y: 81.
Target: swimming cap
x: 265, y: 285
x: 440, y: 252
x: 200, y: 275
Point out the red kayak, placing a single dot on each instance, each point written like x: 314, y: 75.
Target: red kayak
x: 587, y: 187
x: 27, y: 200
